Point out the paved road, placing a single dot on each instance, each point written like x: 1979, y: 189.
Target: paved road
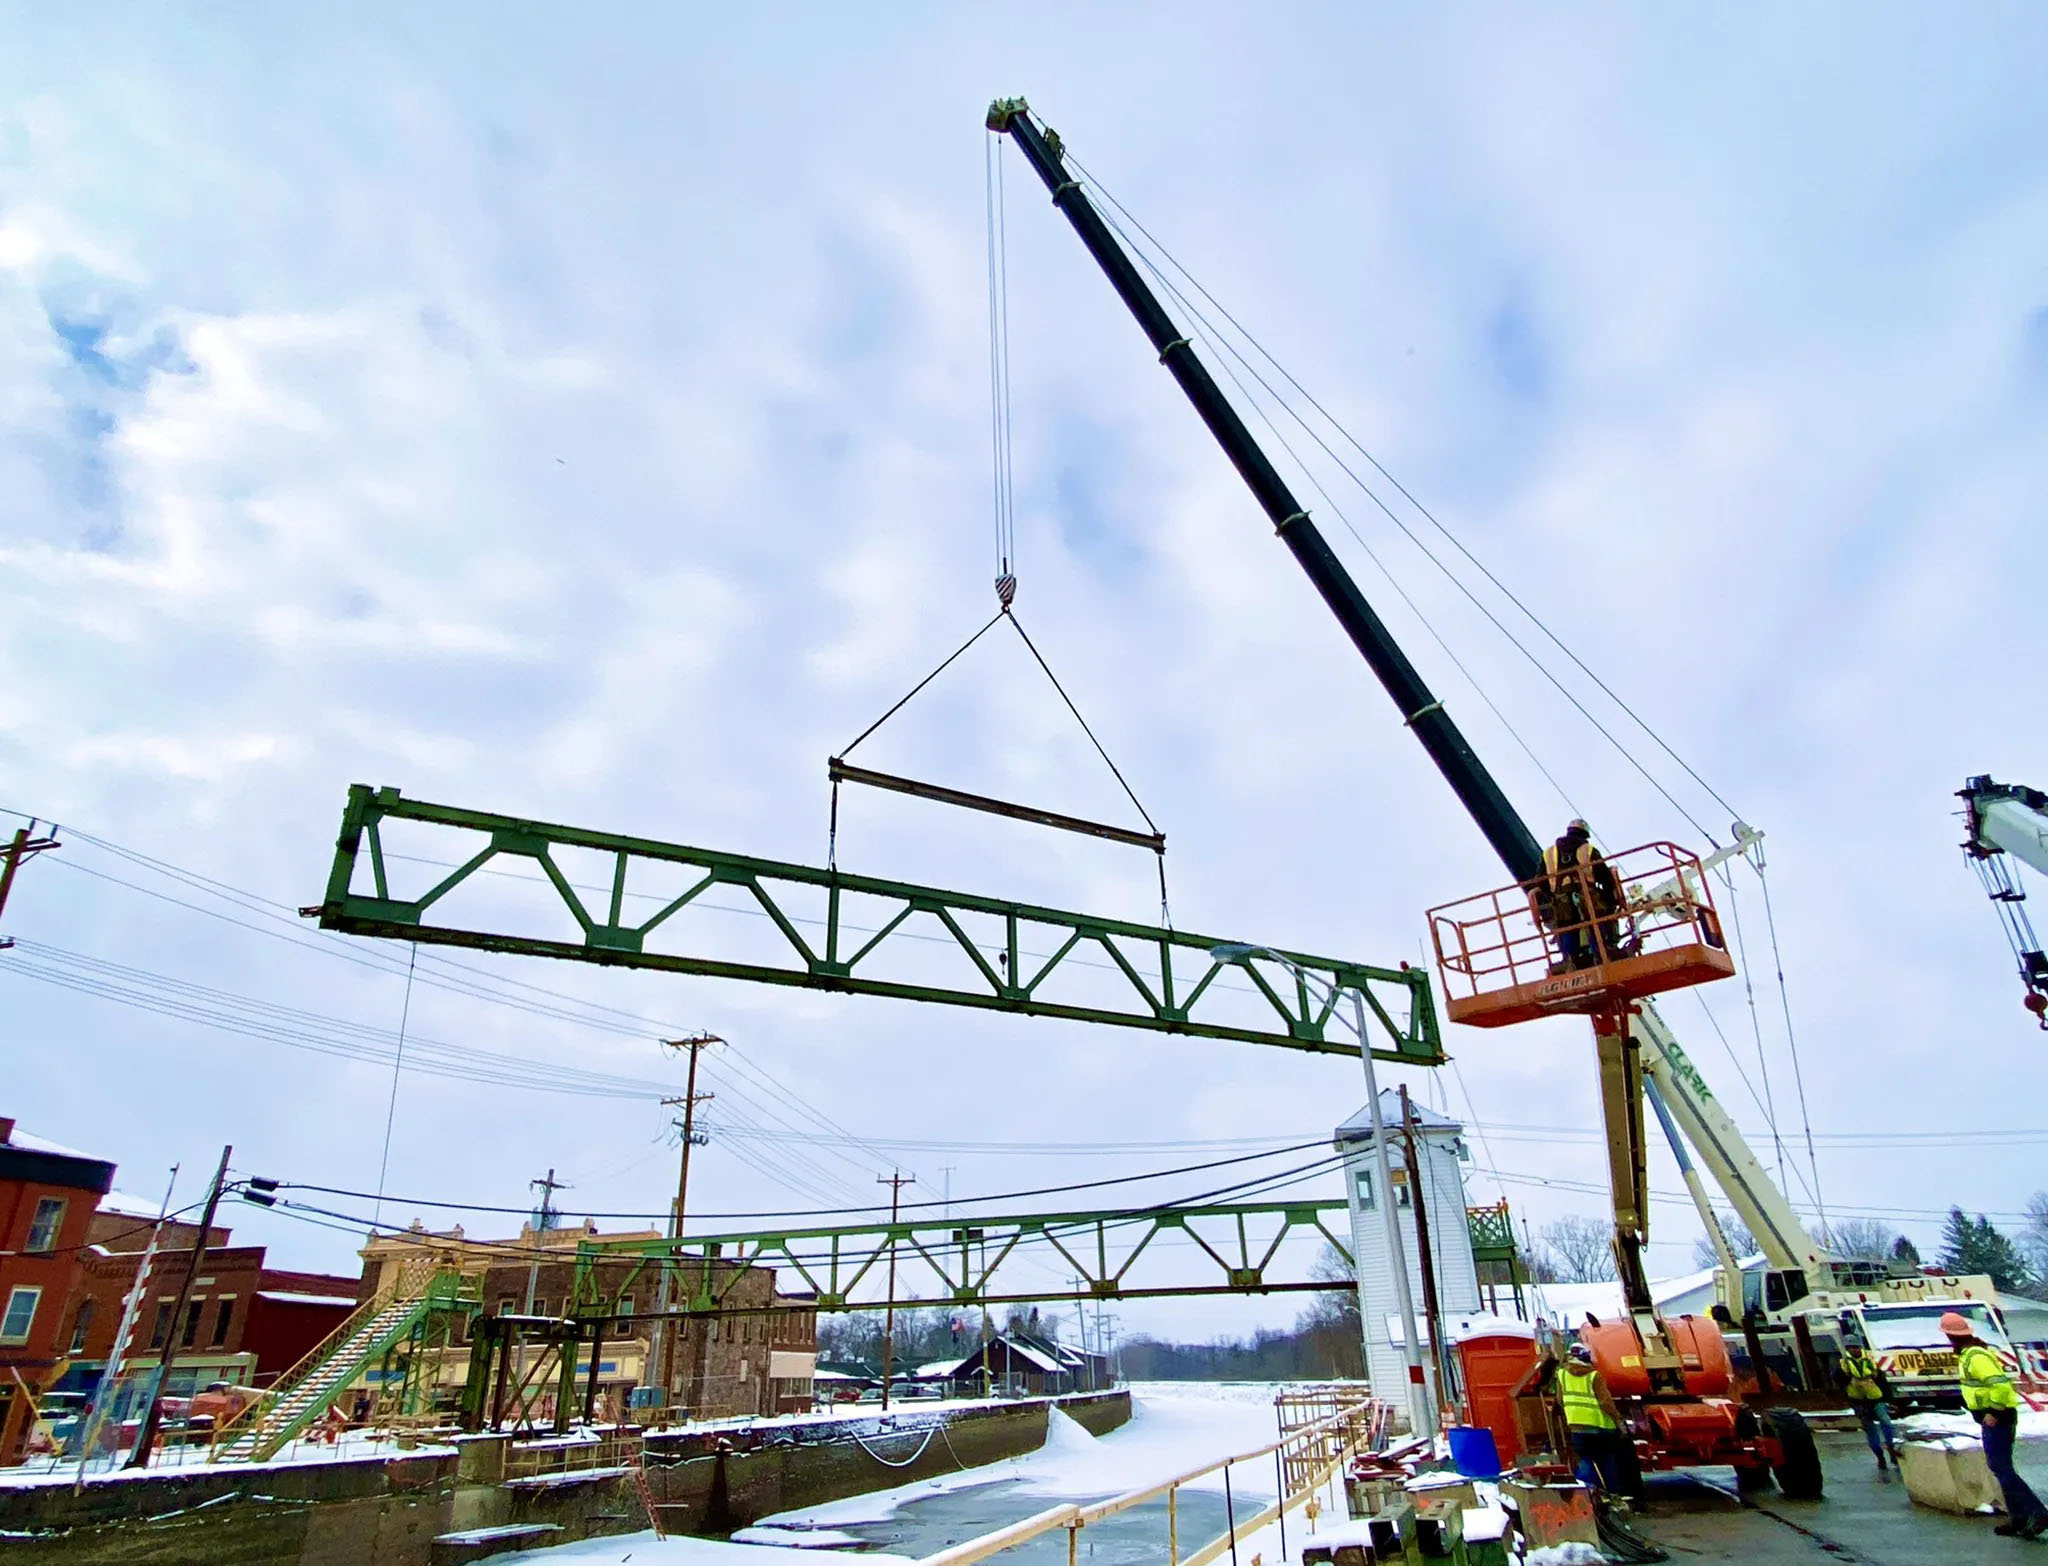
x: 1863, y: 1522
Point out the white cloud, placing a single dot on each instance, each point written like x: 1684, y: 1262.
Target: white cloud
x: 605, y: 440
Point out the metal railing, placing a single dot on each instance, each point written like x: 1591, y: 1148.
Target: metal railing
x: 1318, y: 1453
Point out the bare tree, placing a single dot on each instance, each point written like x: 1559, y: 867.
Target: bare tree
x: 1579, y: 1250
x: 1862, y: 1239
x: 1740, y: 1241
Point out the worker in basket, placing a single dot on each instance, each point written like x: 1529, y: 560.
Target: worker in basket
x: 1577, y: 890
x: 1993, y: 1401
x: 1592, y: 1420
x: 1869, y: 1395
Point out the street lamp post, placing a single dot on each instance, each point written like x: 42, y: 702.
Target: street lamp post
x: 1420, y: 1421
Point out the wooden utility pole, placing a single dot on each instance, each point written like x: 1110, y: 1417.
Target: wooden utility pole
x: 152, y: 1417
x: 23, y: 846
x: 895, y: 1182
x: 1419, y: 1200
x: 662, y: 1350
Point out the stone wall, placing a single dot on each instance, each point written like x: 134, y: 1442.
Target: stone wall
x: 388, y: 1511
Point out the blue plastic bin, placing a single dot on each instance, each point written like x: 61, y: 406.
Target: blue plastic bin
x: 1473, y: 1452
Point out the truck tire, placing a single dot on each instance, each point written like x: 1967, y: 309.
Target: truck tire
x: 1753, y: 1480
x: 1798, y: 1472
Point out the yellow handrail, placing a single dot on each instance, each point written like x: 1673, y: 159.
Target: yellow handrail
x: 408, y: 1281
x: 1346, y: 1424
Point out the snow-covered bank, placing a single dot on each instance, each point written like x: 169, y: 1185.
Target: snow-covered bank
x: 1174, y: 1426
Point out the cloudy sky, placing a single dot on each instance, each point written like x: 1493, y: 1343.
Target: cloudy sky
x: 584, y: 415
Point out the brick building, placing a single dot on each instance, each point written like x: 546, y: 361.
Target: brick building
x: 247, y: 1322
x: 757, y: 1360
x: 47, y: 1197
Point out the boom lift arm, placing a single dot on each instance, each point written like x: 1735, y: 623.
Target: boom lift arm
x: 2010, y: 819
x: 1645, y: 1044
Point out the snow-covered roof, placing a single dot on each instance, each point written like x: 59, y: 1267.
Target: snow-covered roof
x: 1359, y: 1126
x: 122, y: 1205
x: 1026, y: 1352
x: 286, y: 1297
x: 36, y: 1144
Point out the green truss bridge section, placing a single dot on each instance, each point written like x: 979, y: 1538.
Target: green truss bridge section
x: 412, y: 871
x: 1231, y: 1248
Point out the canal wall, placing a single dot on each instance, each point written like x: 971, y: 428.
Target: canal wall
x: 391, y: 1510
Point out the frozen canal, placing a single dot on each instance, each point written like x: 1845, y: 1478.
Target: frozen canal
x: 1174, y: 1426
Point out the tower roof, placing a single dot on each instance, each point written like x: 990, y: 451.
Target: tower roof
x: 1359, y: 1127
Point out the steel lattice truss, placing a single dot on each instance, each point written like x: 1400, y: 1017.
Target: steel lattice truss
x: 974, y: 1262
x: 703, y: 911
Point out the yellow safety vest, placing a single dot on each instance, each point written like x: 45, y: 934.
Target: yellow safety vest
x: 1986, y: 1381
x: 1861, y: 1370
x: 1582, y: 1410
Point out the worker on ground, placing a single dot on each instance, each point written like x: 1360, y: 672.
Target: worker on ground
x: 1577, y: 887
x: 1869, y: 1396
x: 1993, y: 1401
x: 1593, y: 1420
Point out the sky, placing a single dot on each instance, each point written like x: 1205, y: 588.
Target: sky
x: 587, y: 418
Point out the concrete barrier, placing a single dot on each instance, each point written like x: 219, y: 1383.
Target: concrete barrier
x: 388, y: 1511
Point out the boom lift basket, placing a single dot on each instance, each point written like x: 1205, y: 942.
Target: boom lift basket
x: 1638, y: 924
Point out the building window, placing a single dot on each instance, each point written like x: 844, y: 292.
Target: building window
x: 190, y: 1335
x: 20, y: 1314
x: 80, y: 1324
x: 540, y: 1307
x: 42, y: 1229
x: 162, y: 1330
x: 223, y: 1319
x: 625, y: 1304
x: 507, y: 1305
x: 1363, y: 1181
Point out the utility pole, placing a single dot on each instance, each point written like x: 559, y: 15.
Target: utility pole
x: 542, y: 1225
x: 25, y: 845
x: 152, y: 1417
x: 895, y: 1182
x: 663, y: 1341
x: 1418, y: 1199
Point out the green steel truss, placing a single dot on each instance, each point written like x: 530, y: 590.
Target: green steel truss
x: 974, y: 1261
x: 828, y: 930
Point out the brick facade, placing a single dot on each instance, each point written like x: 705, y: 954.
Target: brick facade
x: 756, y: 1360
x: 47, y: 1198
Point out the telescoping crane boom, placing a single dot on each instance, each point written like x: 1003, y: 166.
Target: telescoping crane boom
x: 1504, y: 949
x: 2010, y: 821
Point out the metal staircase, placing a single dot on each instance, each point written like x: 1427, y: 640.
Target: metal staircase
x: 416, y: 1292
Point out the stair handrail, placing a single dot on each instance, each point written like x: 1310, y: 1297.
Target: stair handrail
x: 410, y: 1280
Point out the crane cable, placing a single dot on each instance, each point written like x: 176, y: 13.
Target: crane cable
x: 999, y: 372
x: 1348, y: 438
x: 1219, y: 342
x: 1006, y: 529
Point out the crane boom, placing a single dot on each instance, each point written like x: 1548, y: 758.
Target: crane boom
x: 1419, y: 708
x: 2010, y: 820
x: 1626, y: 1053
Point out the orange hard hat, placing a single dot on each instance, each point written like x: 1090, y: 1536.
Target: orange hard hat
x: 1956, y: 1325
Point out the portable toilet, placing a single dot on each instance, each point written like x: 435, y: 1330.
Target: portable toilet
x: 1494, y: 1354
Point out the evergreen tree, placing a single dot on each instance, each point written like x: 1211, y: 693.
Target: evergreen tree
x: 1906, y: 1251
x: 1976, y: 1245
x: 1956, y: 1235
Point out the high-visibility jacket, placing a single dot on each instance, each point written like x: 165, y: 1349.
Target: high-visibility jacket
x: 1986, y: 1381
x: 1860, y: 1373
x: 1580, y: 1390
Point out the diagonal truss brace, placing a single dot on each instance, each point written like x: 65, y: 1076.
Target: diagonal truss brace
x: 1165, y: 980
x: 974, y: 1262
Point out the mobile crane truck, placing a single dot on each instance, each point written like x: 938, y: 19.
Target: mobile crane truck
x: 1647, y: 926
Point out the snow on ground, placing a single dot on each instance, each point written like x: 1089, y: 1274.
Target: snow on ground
x: 354, y: 1446
x: 643, y: 1549
x: 1174, y: 1426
